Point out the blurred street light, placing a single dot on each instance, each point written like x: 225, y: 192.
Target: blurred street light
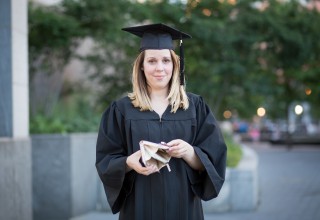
x: 298, y: 109
x: 308, y: 91
x: 227, y: 114
x: 261, y: 112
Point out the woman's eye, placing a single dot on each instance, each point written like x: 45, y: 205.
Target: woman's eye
x: 167, y: 61
x: 152, y: 61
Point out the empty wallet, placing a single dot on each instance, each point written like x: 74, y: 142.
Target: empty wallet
x: 154, y: 154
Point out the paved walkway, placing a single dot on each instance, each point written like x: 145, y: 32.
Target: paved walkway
x: 289, y: 183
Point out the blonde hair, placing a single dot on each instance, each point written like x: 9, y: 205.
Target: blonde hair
x: 140, y: 96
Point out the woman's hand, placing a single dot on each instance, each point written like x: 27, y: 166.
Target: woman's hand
x: 134, y: 163
x: 181, y: 149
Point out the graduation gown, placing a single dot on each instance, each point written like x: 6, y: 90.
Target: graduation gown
x: 164, y: 195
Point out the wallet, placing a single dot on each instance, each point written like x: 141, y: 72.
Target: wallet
x: 154, y: 154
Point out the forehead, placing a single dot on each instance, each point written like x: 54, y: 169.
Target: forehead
x: 157, y: 53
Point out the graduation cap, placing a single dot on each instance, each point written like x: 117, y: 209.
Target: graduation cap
x: 160, y: 36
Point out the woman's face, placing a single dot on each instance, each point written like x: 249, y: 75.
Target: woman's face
x: 158, y: 68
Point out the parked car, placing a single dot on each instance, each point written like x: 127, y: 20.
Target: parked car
x: 301, y: 135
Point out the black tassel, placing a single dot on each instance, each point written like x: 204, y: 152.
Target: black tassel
x: 181, y: 63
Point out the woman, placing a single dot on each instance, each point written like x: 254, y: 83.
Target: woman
x: 159, y: 110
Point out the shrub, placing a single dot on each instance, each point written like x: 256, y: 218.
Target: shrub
x: 68, y: 117
x: 234, y: 152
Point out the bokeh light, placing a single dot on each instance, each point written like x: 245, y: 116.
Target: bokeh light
x: 261, y: 112
x: 308, y: 91
x: 298, y: 109
x: 227, y: 114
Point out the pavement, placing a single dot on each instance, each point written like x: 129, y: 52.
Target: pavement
x: 289, y: 186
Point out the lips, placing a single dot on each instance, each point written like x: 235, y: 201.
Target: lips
x: 159, y: 77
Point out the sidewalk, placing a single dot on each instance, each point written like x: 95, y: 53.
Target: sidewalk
x: 289, y: 183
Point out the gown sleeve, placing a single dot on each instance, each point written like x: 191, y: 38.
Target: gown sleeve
x: 210, y: 147
x: 111, y: 155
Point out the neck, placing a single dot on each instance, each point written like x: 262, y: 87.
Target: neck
x: 158, y: 94
x: 159, y: 101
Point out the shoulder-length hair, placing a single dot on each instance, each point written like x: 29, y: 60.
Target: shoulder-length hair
x: 140, y: 97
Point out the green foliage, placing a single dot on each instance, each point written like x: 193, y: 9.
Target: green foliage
x: 53, y: 37
x: 41, y: 124
x: 52, y: 34
x: 55, y: 29
x: 109, y: 62
x: 240, y: 57
x: 67, y: 118
x: 234, y: 152
x: 253, y: 57
x: 98, y: 19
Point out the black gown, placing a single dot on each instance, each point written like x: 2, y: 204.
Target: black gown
x: 164, y: 195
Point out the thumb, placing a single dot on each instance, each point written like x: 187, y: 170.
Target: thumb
x: 173, y: 142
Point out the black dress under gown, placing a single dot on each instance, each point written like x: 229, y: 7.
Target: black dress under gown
x: 164, y: 195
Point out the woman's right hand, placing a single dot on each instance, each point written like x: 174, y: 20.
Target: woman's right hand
x: 133, y: 162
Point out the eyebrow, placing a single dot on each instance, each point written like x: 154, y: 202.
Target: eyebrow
x: 152, y: 57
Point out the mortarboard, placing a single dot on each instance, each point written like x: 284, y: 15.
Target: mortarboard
x: 160, y: 36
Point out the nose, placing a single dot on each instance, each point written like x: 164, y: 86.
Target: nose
x: 159, y: 67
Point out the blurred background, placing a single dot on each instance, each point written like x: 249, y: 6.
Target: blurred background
x: 256, y: 63
x: 250, y: 60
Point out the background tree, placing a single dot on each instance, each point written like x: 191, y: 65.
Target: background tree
x: 107, y: 61
x: 285, y: 48
x: 55, y: 32
x: 53, y: 36
x: 254, y: 55
x: 244, y: 54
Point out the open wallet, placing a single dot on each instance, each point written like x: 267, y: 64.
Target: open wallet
x: 154, y: 154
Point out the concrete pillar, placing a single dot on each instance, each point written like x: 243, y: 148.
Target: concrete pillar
x: 15, y: 146
x: 14, y: 96
x: 15, y: 179
x: 65, y: 181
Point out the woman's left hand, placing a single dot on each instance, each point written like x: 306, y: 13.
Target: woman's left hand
x: 179, y: 149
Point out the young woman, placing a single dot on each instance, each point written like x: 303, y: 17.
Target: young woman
x: 159, y: 110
